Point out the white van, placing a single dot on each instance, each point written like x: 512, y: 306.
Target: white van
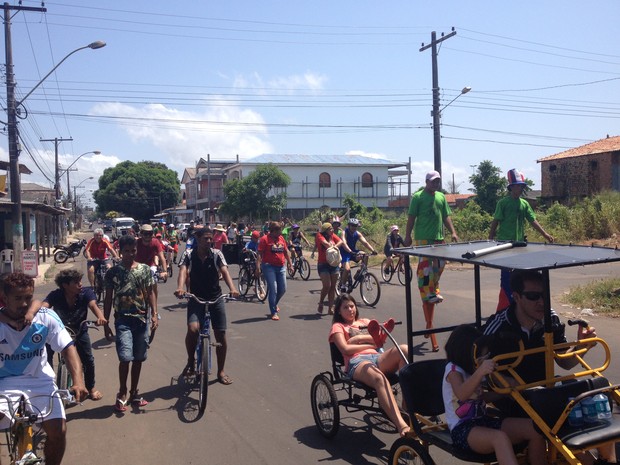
x: 120, y: 225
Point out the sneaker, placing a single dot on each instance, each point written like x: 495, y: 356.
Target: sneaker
x: 435, y: 299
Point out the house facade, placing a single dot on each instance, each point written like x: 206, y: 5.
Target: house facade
x: 581, y: 171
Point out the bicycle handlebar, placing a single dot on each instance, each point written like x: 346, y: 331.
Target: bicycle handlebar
x: 189, y: 295
x: 62, y: 394
x: 395, y: 323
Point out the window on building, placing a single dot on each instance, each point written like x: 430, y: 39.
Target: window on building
x: 552, y: 168
x: 325, y: 180
x: 367, y: 180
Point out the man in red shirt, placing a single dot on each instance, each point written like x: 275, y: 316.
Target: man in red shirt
x: 96, y: 250
x: 151, y: 252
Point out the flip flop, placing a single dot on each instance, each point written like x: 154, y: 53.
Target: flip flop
x: 225, y: 379
x: 95, y: 395
x: 374, y: 329
x: 120, y: 405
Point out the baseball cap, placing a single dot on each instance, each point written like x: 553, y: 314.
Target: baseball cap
x: 255, y: 234
x: 146, y: 227
x: 432, y: 175
x: 394, y: 228
x: 515, y: 177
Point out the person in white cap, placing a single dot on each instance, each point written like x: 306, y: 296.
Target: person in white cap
x: 393, y: 240
x: 428, y: 213
x: 510, y: 215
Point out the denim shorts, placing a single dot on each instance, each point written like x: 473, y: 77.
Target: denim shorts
x: 323, y: 268
x: 196, y: 314
x: 355, y: 362
x: 461, y: 431
x: 131, y: 339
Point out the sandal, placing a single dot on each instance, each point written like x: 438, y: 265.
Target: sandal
x: 188, y: 371
x: 275, y: 317
x: 120, y: 405
x: 137, y: 400
x: 225, y: 380
x: 319, y: 309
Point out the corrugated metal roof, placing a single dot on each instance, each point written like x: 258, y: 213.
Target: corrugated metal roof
x: 609, y: 144
x: 301, y: 159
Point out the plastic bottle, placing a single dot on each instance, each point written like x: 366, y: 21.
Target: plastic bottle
x: 603, y: 410
x: 575, y: 417
x: 588, y: 408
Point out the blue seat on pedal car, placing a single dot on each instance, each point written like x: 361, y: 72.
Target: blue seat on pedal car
x: 549, y: 403
x: 421, y: 384
x: 339, y: 373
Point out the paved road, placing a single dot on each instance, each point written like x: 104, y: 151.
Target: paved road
x: 265, y: 415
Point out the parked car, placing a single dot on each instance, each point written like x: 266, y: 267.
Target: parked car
x: 107, y: 225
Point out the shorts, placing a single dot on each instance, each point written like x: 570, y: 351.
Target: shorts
x: 38, y: 397
x: 196, y: 314
x: 132, y: 337
x: 326, y: 268
x: 357, y: 360
x: 96, y: 262
x: 461, y: 431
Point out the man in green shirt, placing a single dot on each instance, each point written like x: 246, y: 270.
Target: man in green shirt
x: 510, y: 215
x: 428, y: 213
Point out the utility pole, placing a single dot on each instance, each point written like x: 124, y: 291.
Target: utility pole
x: 56, y: 141
x: 13, y: 133
x: 435, y: 113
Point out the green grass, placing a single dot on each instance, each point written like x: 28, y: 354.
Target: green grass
x: 603, y: 296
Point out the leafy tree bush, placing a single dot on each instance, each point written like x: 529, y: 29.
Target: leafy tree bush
x: 472, y: 222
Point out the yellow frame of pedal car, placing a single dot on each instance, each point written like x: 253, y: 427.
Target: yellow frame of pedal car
x: 526, y: 256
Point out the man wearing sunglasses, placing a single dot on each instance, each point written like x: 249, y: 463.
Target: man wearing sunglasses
x: 524, y: 319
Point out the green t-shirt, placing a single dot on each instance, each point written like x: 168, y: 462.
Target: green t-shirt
x: 131, y: 288
x: 430, y: 211
x: 511, y: 214
x: 285, y: 232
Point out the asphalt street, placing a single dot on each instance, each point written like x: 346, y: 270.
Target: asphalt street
x: 265, y: 415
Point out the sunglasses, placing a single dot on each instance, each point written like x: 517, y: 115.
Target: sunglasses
x: 532, y: 295
x: 147, y: 233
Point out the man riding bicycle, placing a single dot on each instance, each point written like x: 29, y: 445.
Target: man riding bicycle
x: 23, y: 361
x: 96, y: 250
x: 172, y: 235
x: 351, y: 236
x: 295, y: 236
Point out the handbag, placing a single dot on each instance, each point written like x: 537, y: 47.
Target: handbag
x: 332, y: 255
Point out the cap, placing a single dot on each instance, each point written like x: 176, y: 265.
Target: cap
x: 295, y: 226
x: 158, y: 235
x: 354, y: 221
x: 146, y: 227
x: 515, y: 177
x: 171, y: 225
x: 325, y: 227
x: 255, y: 234
x: 432, y: 175
x: 394, y: 228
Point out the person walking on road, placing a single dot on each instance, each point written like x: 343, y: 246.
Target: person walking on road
x: 201, y: 270
x: 510, y: 215
x: 272, y: 255
x: 428, y: 213
x: 328, y: 272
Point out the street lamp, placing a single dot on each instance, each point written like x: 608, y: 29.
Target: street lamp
x: 66, y: 170
x: 13, y: 135
x: 75, y: 197
x: 436, y: 113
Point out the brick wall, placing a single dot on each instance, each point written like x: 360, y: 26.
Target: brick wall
x: 579, y: 176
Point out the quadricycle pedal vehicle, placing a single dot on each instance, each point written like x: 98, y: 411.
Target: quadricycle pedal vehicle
x: 548, y: 402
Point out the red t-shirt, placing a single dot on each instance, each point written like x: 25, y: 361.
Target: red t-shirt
x: 334, y: 240
x: 97, y: 250
x: 146, y: 253
x: 272, y: 251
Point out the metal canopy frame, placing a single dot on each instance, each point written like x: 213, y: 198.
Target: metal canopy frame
x: 502, y: 255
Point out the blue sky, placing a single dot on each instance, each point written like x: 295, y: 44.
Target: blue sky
x: 177, y: 81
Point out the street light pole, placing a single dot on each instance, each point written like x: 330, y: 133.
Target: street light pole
x: 13, y: 131
x: 75, y: 197
x: 66, y: 170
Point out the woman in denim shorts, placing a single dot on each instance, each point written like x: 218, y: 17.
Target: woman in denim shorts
x: 328, y: 273
x: 363, y: 362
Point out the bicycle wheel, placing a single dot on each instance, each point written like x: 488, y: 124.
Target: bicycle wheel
x: 261, y: 288
x: 203, y: 374
x: 409, y: 451
x: 324, y: 406
x: 243, y: 282
x: 99, y: 287
x: 293, y: 269
x: 170, y: 270
x: 401, y: 273
x: 370, y: 289
x: 304, y: 269
x: 386, y: 271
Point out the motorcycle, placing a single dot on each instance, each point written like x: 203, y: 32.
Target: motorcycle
x: 63, y: 252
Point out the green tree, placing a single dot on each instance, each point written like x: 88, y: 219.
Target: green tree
x: 489, y: 186
x: 138, y: 189
x: 258, y: 195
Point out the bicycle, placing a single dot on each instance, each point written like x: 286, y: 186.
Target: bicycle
x: 21, y: 439
x: 100, y: 271
x: 247, y: 277
x: 301, y: 265
x: 387, y: 271
x: 64, y: 380
x: 203, y: 349
x: 370, y: 289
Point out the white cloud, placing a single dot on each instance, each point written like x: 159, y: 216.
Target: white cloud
x: 290, y: 85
